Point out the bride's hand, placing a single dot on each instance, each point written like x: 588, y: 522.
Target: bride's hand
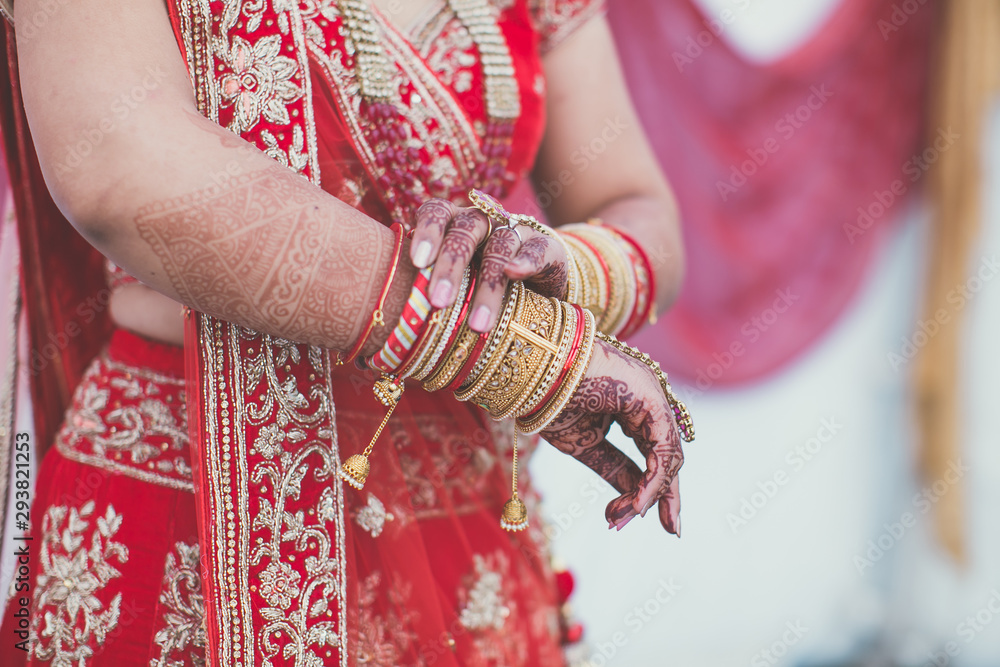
x: 619, y: 388
x: 448, y: 236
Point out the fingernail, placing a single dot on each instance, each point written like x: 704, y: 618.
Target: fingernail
x: 623, y: 523
x: 442, y: 294
x: 480, y: 319
x: 677, y: 525
x: 422, y: 255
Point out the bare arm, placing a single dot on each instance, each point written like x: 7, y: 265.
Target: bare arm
x: 595, y: 150
x: 193, y: 211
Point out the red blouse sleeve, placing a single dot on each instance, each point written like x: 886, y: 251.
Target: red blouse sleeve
x: 555, y: 20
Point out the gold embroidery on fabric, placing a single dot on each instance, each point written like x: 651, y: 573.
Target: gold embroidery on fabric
x: 383, y: 639
x: 451, y: 53
x: 72, y: 573
x: 258, y: 83
x: 146, y: 440
x: 182, y: 640
x: 296, y: 623
x: 556, y: 19
x: 321, y: 590
x: 485, y: 607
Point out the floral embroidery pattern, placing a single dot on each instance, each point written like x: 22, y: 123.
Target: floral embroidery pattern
x: 372, y: 517
x: 384, y: 639
x: 259, y: 83
x: 182, y: 640
x: 452, y: 56
x: 300, y: 616
x: 279, y: 584
x: 487, y: 601
x: 76, y: 621
x: 485, y: 607
x: 131, y: 421
x: 458, y: 473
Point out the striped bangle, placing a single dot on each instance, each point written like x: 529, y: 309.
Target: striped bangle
x: 411, y: 324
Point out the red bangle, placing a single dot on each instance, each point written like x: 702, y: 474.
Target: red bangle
x: 377, y: 316
x: 405, y: 367
x: 649, y: 314
x: 470, y: 363
x: 395, y: 353
x: 577, y: 340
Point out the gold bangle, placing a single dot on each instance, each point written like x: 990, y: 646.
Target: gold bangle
x: 449, y: 319
x: 542, y: 362
x: 544, y: 386
x: 558, y: 403
x: 478, y: 376
x: 619, y: 270
x: 529, y: 347
x: 454, y: 360
x: 572, y: 271
x: 595, y: 290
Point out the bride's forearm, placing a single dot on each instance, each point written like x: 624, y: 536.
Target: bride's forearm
x: 256, y: 244
x: 184, y: 205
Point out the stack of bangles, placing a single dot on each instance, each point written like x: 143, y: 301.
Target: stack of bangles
x: 528, y: 367
x: 616, y: 278
x: 608, y: 272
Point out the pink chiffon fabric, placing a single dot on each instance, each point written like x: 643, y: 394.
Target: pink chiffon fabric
x: 770, y: 164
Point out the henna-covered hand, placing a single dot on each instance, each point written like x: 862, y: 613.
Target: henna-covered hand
x: 448, y: 236
x: 617, y: 388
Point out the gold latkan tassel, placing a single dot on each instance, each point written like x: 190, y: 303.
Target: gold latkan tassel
x: 515, y: 514
x: 355, y: 469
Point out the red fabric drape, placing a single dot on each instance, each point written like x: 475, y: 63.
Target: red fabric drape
x: 770, y: 164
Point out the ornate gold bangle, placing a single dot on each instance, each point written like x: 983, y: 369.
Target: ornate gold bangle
x: 479, y: 375
x: 544, y: 386
x: 542, y: 360
x: 454, y: 359
x: 565, y: 392
x: 520, y: 359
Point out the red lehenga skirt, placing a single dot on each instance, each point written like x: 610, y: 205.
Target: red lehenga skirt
x: 431, y: 576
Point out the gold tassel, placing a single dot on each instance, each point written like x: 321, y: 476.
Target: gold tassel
x: 515, y: 514
x: 355, y: 469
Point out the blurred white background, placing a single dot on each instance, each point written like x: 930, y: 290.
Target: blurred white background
x: 820, y: 461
